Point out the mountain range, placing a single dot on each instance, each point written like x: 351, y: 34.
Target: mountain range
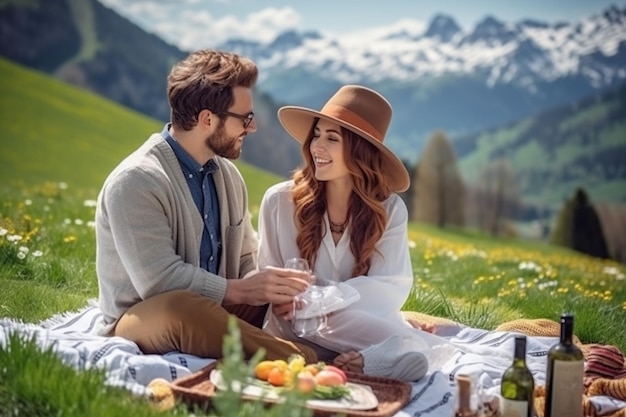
x: 500, y: 89
x: 444, y: 77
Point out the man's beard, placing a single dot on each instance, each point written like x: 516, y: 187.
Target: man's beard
x: 222, y: 145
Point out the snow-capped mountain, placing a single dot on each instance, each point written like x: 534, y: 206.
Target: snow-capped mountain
x: 520, y: 53
x: 444, y: 77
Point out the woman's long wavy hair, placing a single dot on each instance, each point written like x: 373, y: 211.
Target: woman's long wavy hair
x: 366, y: 210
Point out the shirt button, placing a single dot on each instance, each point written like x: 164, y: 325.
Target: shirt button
x: 190, y: 175
x: 206, y: 216
x: 211, y: 258
x: 211, y: 236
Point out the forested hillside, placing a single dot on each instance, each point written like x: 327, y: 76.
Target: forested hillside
x: 552, y: 153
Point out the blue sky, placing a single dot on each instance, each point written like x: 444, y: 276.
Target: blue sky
x: 205, y: 23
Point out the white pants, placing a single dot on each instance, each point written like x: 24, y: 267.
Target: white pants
x: 355, y: 330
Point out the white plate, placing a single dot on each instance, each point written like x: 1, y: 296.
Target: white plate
x: 361, y: 397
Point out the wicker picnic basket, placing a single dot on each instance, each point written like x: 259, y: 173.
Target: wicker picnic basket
x: 198, y: 390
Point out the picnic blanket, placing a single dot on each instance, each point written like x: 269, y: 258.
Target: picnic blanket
x: 480, y: 353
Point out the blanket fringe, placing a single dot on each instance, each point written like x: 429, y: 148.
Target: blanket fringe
x: 63, y: 317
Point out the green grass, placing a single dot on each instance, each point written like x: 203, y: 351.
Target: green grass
x: 51, y: 268
x: 461, y: 274
x: 35, y: 383
x: 56, y: 132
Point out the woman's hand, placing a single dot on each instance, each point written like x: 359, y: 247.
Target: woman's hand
x: 425, y: 327
x: 284, y: 311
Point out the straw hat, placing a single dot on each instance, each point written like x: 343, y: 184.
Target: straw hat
x: 360, y: 110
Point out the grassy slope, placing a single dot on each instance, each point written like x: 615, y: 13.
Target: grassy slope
x: 56, y: 132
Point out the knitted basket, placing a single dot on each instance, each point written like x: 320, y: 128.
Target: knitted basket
x: 197, y: 390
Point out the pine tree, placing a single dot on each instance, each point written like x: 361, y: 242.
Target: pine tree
x: 579, y: 227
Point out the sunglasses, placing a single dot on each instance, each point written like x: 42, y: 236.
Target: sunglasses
x: 245, y: 118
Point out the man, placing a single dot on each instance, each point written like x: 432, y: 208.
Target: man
x: 176, y: 251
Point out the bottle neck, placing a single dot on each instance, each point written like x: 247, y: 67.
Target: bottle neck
x: 520, y: 351
x: 567, y: 329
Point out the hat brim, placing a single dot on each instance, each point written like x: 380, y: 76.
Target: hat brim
x: 297, y: 121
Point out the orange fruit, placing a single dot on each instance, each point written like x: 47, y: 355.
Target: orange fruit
x: 277, y: 377
x: 263, y: 368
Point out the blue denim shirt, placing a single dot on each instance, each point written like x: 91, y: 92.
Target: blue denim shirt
x: 200, y: 181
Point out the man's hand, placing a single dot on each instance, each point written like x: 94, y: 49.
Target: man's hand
x: 271, y: 285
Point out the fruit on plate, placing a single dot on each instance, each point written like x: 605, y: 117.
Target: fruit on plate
x: 279, y: 377
x: 318, y: 379
x: 313, y: 369
x: 328, y: 378
x: 262, y: 369
x: 339, y: 371
x: 306, y: 382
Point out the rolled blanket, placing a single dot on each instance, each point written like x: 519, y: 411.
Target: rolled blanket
x: 540, y: 327
x: 534, y: 327
x: 604, y: 361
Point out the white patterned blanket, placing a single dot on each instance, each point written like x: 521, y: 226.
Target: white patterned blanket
x: 73, y: 338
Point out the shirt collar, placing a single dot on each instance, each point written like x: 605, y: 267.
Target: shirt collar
x: 184, y: 158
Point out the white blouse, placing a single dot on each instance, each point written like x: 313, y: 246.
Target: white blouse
x: 382, y: 291
x: 387, y: 285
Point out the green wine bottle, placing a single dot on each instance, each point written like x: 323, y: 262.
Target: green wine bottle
x: 517, y: 390
x: 564, y: 377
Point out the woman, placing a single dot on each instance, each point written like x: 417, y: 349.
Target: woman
x: 341, y: 212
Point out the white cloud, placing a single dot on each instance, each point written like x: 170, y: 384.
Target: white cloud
x: 190, y: 25
x: 410, y: 27
x: 272, y: 21
x: 262, y: 26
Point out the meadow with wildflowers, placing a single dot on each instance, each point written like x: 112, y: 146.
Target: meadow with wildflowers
x: 483, y: 282
x: 47, y: 265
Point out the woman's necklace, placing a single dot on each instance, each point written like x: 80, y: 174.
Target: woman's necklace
x: 338, y: 228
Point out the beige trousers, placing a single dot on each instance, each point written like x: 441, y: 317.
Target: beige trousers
x: 188, y: 322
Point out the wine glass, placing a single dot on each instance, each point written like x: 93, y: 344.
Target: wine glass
x: 300, y: 264
x: 309, y: 316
